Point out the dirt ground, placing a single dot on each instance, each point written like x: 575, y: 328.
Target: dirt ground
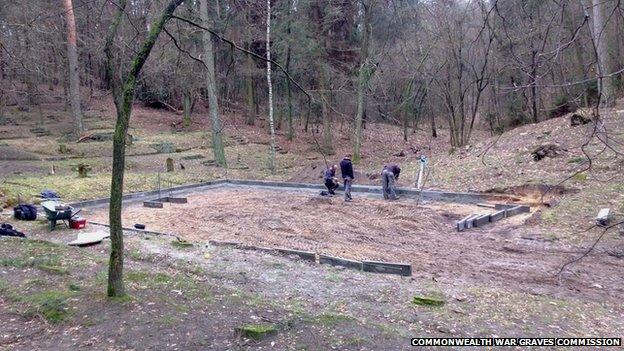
x: 503, y: 254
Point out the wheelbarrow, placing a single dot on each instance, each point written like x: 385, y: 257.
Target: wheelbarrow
x: 56, y: 211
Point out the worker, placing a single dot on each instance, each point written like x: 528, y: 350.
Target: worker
x: 346, y: 168
x: 331, y: 182
x: 389, y: 175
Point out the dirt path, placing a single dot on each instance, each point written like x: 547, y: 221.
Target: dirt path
x: 372, y: 229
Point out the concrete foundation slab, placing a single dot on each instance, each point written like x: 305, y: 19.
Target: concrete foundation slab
x: 337, y: 261
x: 153, y: 204
x: 481, y: 220
x: 387, y: 268
x: 498, y: 215
x: 517, y: 210
x: 305, y: 255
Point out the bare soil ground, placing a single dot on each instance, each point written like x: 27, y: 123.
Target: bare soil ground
x: 374, y: 229
x: 496, y: 281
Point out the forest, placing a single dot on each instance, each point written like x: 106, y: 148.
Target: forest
x: 309, y: 174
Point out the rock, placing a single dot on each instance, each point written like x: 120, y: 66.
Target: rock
x: 577, y: 120
x: 163, y: 148
x: 546, y: 150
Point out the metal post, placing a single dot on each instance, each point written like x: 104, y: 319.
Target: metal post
x: 423, y: 164
x: 159, y: 185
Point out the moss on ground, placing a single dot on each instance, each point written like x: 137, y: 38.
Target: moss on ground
x: 256, y: 331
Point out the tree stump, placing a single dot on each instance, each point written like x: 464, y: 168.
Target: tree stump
x: 63, y: 149
x: 578, y: 119
x: 83, y: 170
x: 169, y: 164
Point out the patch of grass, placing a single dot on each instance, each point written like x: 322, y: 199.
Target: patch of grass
x: 47, y: 263
x: 135, y: 255
x: 181, y: 244
x: 578, y: 159
x: 167, y: 320
x: 427, y: 301
x: 54, y: 269
x: 332, y: 319
x: 581, y: 177
x: 124, y: 299
x: 51, y: 305
x: 256, y: 331
x: 334, y: 278
x: 137, y: 276
x: 14, y: 262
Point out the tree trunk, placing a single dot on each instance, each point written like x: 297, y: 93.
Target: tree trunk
x: 406, y: 110
x: 72, y: 57
x: 363, y: 77
x: 327, y: 121
x: 290, y: 135
x: 600, y: 34
x: 211, y: 87
x: 272, y: 161
x: 123, y: 95
x: 186, y: 104
x: 534, y: 111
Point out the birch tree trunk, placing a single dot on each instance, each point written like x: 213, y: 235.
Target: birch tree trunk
x: 272, y: 163
x: 211, y: 87
x: 600, y: 34
x: 72, y: 57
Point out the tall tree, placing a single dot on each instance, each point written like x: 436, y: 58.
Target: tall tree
x: 72, y: 57
x: 211, y: 88
x: 363, y: 75
x: 123, y: 96
x: 600, y: 35
x: 272, y: 161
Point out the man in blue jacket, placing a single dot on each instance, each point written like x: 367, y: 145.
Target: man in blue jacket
x: 346, y: 168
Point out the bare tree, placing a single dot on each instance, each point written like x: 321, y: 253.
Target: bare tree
x: 72, y: 57
x: 363, y: 75
x: 600, y: 34
x: 272, y: 161
x: 211, y: 87
x: 123, y: 96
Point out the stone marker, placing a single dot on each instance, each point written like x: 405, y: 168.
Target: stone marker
x: 604, y: 217
x: 152, y: 204
x: 388, y: 268
x: 337, y: 261
x: 169, y: 164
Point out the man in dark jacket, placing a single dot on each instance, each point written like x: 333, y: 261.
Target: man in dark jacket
x: 331, y: 182
x: 346, y: 168
x: 389, y: 175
